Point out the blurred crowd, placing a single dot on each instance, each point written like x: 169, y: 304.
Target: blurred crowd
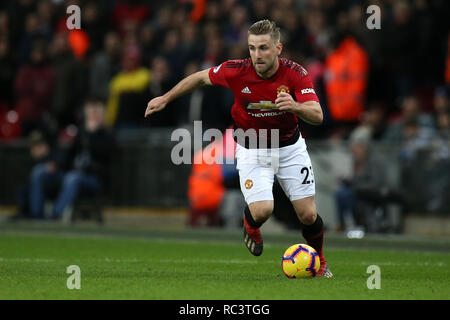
x: 389, y: 84
x: 128, y: 51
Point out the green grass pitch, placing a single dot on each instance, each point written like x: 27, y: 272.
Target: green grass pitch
x: 208, y: 265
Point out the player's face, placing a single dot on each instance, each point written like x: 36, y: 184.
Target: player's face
x: 264, y: 53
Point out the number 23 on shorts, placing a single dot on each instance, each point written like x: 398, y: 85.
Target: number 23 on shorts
x: 308, y: 175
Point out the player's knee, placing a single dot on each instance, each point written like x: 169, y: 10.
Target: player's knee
x: 262, y: 212
x: 308, y: 216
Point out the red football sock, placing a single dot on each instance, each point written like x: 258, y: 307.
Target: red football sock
x: 253, y: 232
x: 248, y: 216
x: 313, y: 235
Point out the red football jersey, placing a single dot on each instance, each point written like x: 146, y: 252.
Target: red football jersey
x: 254, y: 97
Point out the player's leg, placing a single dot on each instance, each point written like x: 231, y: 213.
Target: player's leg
x: 313, y: 230
x: 256, y: 181
x: 260, y: 211
x: 296, y: 177
x: 255, y: 214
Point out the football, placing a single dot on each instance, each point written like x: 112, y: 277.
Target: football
x: 300, y: 261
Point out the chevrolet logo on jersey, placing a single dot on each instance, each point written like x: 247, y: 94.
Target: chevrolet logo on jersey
x: 268, y: 105
x: 262, y: 105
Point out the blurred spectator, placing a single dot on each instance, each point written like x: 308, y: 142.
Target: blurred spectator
x: 443, y: 126
x: 191, y: 46
x: 362, y: 199
x: 29, y: 37
x: 372, y: 124
x: 84, y: 170
x: 70, y: 81
x: 226, y: 6
x: 40, y: 147
x: 162, y: 80
x: 93, y: 24
x: 105, y: 66
x: 40, y: 152
x: 411, y: 113
x: 21, y: 9
x: 128, y: 15
x: 163, y: 23
x: 209, y: 32
x: 259, y: 10
x: 346, y: 81
x: 214, y: 51
x: 438, y: 166
x: 236, y: 30
x: 211, y: 104
x: 374, y: 42
x: 402, y: 45
x: 205, y: 186
x: 427, y: 148
x: 317, y: 35
x: 34, y: 87
x: 161, y: 76
x: 128, y: 92
x: 45, y: 11
x: 441, y: 100
x: 357, y: 72
x: 7, y: 73
x: 5, y: 28
x: 180, y: 16
x: 414, y: 138
x: 294, y: 36
x: 196, y: 8
x: 148, y: 42
x: 213, y: 14
x: 425, y: 26
x: 171, y: 50
x: 213, y: 186
x: 415, y: 164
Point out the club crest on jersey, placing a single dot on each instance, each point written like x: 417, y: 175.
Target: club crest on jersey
x: 248, y: 184
x: 281, y: 89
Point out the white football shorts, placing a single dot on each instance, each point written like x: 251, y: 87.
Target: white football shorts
x: 291, y: 165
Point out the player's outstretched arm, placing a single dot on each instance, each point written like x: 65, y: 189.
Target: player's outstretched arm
x: 188, y: 84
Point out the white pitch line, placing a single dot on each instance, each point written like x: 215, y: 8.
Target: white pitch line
x: 224, y: 261
x: 26, y: 260
x: 396, y: 264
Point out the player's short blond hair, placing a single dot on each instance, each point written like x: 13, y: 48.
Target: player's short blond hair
x: 266, y: 27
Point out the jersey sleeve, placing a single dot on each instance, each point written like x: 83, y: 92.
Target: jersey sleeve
x: 304, y: 90
x: 219, y: 75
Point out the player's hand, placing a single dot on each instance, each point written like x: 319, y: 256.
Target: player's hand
x: 285, y: 102
x: 155, y: 105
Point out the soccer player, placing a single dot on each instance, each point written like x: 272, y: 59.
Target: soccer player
x: 270, y: 93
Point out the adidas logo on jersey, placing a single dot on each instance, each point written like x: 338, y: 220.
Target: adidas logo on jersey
x: 246, y: 90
